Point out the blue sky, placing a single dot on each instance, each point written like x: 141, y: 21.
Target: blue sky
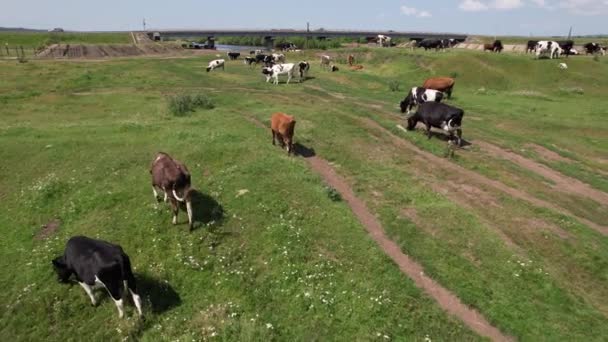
x: 490, y: 17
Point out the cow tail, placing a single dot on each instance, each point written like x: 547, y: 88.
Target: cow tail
x: 127, y: 273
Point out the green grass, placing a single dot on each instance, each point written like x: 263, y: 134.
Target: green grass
x: 77, y: 139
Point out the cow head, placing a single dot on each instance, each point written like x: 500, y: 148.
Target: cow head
x: 411, y: 122
x: 62, y: 270
x: 267, y: 71
x: 208, y: 69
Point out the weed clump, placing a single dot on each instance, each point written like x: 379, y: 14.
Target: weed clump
x: 333, y: 194
x: 573, y: 90
x: 393, y: 85
x: 181, y: 105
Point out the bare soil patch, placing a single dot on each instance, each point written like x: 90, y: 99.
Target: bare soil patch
x: 562, y: 183
x: 48, y: 229
x: 547, y: 154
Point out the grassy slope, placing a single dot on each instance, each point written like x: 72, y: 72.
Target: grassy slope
x: 37, y: 39
x: 116, y: 108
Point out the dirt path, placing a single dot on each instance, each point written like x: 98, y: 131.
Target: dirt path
x: 477, y: 178
x: 562, y: 183
x: 446, y: 299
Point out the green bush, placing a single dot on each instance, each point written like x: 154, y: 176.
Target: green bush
x: 181, y: 105
x: 333, y: 194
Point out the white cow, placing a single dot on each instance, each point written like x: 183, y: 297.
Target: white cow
x: 279, y: 69
x: 325, y: 61
x: 548, y: 47
x: 383, y: 40
x: 278, y: 57
x: 216, y: 63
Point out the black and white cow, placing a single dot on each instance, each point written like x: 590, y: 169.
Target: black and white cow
x: 250, y: 61
x: 233, y: 55
x: 566, y: 46
x: 216, y: 63
x: 97, y: 263
x: 418, y: 95
x: 547, y: 47
x: 593, y: 48
x: 439, y: 115
x: 303, y: 68
x: 262, y: 58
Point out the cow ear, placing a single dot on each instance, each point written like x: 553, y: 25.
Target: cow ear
x: 59, y: 262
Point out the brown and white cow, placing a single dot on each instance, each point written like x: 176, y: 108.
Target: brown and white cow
x: 172, y: 177
x: 444, y: 84
x: 282, y: 126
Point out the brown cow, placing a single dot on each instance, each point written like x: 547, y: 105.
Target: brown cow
x: 172, y: 177
x: 444, y: 84
x: 282, y: 126
x: 351, y: 60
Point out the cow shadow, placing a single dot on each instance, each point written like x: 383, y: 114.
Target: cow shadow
x: 438, y: 134
x: 159, y: 294
x: 303, y: 151
x: 205, y: 209
x: 308, y: 78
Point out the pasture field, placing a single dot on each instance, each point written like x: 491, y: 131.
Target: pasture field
x: 514, y: 224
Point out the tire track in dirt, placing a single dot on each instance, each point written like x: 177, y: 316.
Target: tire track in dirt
x: 446, y: 299
x: 562, y: 182
x: 427, y: 157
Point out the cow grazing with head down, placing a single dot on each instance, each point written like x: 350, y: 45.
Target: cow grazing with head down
x: 278, y: 58
x: 325, y: 61
x: 250, y: 61
x: 98, y: 263
x: 439, y: 115
x: 233, y: 55
x: 531, y: 47
x: 431, y: 44
x: 303, y: 68
x: 593, y: 48
x: 172, y: 178
x: 547, y: 47
x: 494, y: 47
x: 418, y: 95
x: 566, y: 46
x: 279, y: 69
x: 282, y: 127
x: 444, y: 84
x: 216, y: 63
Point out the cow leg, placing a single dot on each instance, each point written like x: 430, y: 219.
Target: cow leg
x: 288, y: 78
x: 155, y: 194
x: 89, y: 290
x: 136, y: 301
x: 115, y: 288
x: 459, y: 135
x: 428, y: 130
x: 273, y: 137
x: 174, y: 209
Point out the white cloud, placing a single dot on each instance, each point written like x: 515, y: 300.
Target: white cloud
x: 472, y: 6
x: 411, y: 11
x: 507, y: 4
x: 584, y: 7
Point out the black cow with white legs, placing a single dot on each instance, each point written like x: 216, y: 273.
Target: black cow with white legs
x: 97, y: 263
x: 439, y: 115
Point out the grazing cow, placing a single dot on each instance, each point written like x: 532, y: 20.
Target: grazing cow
x: 303, y: 68
x: 279, y: 69
x: 439, y: 115
x: 444, y: 84
x: 593, y: 48
x: 419, y: 95
x: 431, y: 44
x: 98, y: 263
x: 216, y: 63
x: 351, y: 60
x: 384, y: 41
x: 261, y: 58
x: 334, y: 68
x: 566, y: 46
x: 325, y: 60
x: 286, y: 46
x: 233, y: 55
x: 278, y: 58
x: 494, y: 47
x: 545, y: 47
x: 531, y: 47
x: 282, y: 127
x: 250, y: 61
x: 449, y: 43
x: 172, y: 177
